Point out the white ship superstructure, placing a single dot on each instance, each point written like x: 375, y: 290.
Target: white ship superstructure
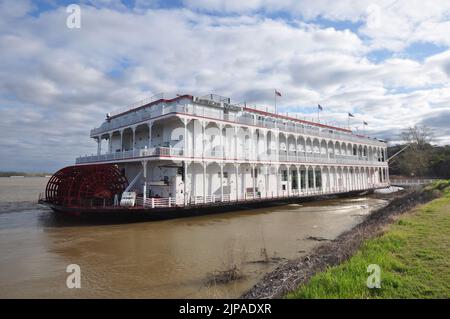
x: 189, y: 150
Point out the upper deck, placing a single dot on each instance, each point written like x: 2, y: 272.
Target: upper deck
x: 219, y: 108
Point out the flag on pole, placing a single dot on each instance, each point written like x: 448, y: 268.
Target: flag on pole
x: 365, y: 123
x: 319, y: 108
x: 348, y: 119
x: 276, y: 94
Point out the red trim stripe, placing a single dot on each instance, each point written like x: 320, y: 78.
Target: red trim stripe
x: 296, y: 120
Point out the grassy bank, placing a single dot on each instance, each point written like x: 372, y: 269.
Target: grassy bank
x: 413, y: 254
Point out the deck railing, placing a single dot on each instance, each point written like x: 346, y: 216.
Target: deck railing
x: 412, y: 181
x: 139, y: 153
x: 212, y: 199
x: 299, y: 157
x: 191, y: 109
x: 248, y: 197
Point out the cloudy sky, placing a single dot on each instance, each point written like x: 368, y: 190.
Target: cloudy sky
x: 387, y: 62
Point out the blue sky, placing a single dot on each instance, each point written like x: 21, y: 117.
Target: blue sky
x: 386, y: 62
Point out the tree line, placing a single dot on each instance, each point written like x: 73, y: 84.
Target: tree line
x: 418, y: 156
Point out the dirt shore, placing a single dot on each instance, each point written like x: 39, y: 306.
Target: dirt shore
x: 293, y: 273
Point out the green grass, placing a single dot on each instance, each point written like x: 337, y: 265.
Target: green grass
x: 413, y: 254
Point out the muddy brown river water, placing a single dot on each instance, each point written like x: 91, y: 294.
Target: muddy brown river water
x: 156, y: 259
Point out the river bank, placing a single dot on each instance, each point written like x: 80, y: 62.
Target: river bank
x: 294, y: 273
x: 10, y: 174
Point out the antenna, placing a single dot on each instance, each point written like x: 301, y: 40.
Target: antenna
x: 404, y: 148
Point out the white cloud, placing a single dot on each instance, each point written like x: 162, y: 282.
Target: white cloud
x: 388, y: 24
x: 57, y: 83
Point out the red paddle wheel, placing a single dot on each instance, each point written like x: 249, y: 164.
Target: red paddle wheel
x: 86, y: 185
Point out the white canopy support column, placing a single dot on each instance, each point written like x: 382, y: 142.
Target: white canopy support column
x: 194, y: 139
x: 99, y: 145
x: 321, y: 180
x: 288, y: 181
x: 328, y: 180
x: 343, y: 179
x: 236, y: 167
x: 244, y: 183
x: 185, y: 121
x: 266, y: 179
x: 314, y: 178
x: 204, y: 182
x: 133, y: 144
x: 254, y: 180
x: 235, y: 147
x: 250, y: 154
x: 277, y: 134
x: 307, y: 179
x: 333, y: 173
x: 203, y: 139
x: 328, y: 150
x: 361, y: 179
x: 366, y: 177
x: 185, y: 168
x: 110, y: 143
x: 353, y: 181
x: 121, y: 140
x: 360, y: 184
x: 150, y: 126
x: 372, y: 177
x: 349, y: 180
x: 144, y: 186
x: 351, y: 172
x: 221, y: 181
x: 222, y: 147
x: 278, y: 177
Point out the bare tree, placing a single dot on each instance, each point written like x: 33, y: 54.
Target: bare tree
x: 416, y: 159
x: 418, y: 136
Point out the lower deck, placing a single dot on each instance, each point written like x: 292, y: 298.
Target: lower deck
x: 141, y: 212
x: 166, y: 185
x: 184, y: 183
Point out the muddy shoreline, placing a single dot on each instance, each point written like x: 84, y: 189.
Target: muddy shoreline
x: 293, y: 273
